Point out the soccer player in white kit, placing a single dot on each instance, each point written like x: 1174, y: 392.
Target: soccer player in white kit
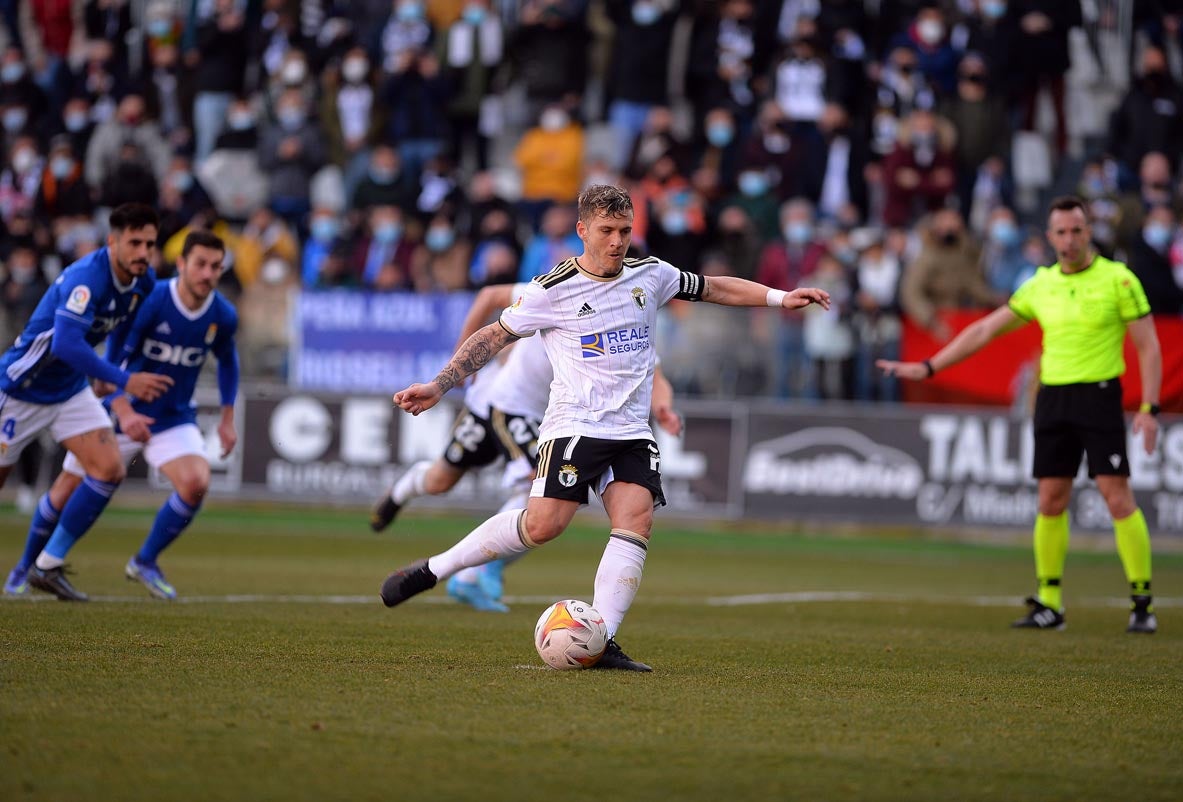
x: 503, y: 410
x: 596, y: 314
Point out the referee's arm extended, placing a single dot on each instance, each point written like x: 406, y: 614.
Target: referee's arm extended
x: 968, y: 342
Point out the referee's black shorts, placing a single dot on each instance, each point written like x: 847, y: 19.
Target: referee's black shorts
x: 1076, y: 419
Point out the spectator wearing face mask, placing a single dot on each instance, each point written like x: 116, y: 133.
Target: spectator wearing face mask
x: 21, y: 289
x: 900, y: 90
x: 62, y: 191
x: 385, y: 243
x: 721, y: 149
x: 263, y: 332
x: 919, y: 175
x: 1150, y: 117
x: 784, y: 264
x: 1156, y: 187
x: 876, y: 318
x: 406, y: 32
x: 1003, y: 261
x: 384, y: 183
x: 352, y: 117
x: 1150, y: 261
x: 324, y: 230
x: 550, y: 160
x: 76, y: 123
x: 555, y: 241
x: 218, y: 76
x: 129, y: 126
x: 417, y: 95
x: 18, y: 90
x: 473, y: 50
x: 440, y: 262
x: 638, y: 69
x: 756, y: 197
x: 182, y: 197
x: 928, y: 37
x: 946, y: 274
x: 290, y: 152
x: 983, y: 132
x: 20, y: 178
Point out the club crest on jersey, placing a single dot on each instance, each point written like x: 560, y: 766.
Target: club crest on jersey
x: 211, y: 333
x: 135, y: 299
x: 568, y: 475
x: 639, y: 297
x: 592, y: 344
x: 79, y: 298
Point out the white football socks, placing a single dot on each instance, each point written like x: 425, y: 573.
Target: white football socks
x: 410, y: 484
x: 495, y: 539
x: 515, y: 502
x: 619, y: 576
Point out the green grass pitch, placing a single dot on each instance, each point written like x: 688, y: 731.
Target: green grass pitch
x: 788, y: 665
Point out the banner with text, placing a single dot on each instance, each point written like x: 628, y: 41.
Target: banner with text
x: 345, y: 341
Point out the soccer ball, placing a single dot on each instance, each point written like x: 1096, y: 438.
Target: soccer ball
x: 570, y: 634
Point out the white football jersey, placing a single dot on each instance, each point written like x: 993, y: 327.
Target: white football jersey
x: 522, y: 387
x: 598, y: 334
x: 480, y: 387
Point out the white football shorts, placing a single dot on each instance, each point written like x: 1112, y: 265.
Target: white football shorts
x: 161, y: 448
x: 21, y: 422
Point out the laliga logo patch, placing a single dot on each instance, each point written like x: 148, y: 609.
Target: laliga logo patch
x: 568, y: 475
x: 211, y: 333
x: 79, y: 298
x: 639, y: 297
x: 592, y: 344
x: 517, y: 302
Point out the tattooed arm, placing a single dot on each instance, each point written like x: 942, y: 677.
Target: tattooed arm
x: 473, y: 354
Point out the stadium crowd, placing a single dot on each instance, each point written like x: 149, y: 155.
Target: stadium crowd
x: 894, y: 153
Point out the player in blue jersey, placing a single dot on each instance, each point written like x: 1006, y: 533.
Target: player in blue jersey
x: 181, y: 322
x: 43, y: 385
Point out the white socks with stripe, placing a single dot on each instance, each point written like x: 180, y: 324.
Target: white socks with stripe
x: 410, y: 484
x: 495, y: 539
x: 515, y: 502
x: 619, y: 576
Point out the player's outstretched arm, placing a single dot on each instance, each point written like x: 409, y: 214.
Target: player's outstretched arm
x: 733, y: 291
x: 474, y: 354
x: 972, y: 339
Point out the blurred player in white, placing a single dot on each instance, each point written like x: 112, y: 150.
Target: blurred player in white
x: 596, y: 314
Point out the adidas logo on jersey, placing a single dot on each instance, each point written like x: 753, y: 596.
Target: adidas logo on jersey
x: 585, y: 310
x: 164, y: 328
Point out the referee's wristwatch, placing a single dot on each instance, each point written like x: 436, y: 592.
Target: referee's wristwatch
x: 1153, y: 409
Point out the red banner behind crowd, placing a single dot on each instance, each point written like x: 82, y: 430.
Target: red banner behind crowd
x: 1009, y: 366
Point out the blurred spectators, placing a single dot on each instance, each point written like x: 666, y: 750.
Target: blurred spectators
x: 946, y: 274
x: 62, y: 191
x: 550, y: 157
x: 290, y: 151
x: 440, y: 262
x: 1150, y: 117
x: 876, y: 315
x: 919, y: 174
x: 1039, y: 57
x: 555, y: 241
x: 1003, y: 261
x: 128, y: 135
x: 383, y: 255
x: 1150, y: 261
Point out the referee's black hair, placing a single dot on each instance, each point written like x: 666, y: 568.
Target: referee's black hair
x: 133, y: 216
x: 1066, y: 203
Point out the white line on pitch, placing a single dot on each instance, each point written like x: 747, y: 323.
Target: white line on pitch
x: 754, y: 599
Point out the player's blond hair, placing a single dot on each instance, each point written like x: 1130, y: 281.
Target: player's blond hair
x: 604, y: 199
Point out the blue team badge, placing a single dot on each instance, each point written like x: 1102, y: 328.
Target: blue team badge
x: 593, y: 345
x: 211, y: 333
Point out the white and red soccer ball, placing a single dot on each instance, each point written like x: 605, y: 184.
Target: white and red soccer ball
x: 570, y: 634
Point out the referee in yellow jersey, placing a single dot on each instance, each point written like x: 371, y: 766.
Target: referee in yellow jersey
x: 1085, y: 304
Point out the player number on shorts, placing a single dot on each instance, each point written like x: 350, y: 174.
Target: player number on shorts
x: 521, y: 431
x: 654, y: 458
x: 469, y: 433
x: 9, y: 428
